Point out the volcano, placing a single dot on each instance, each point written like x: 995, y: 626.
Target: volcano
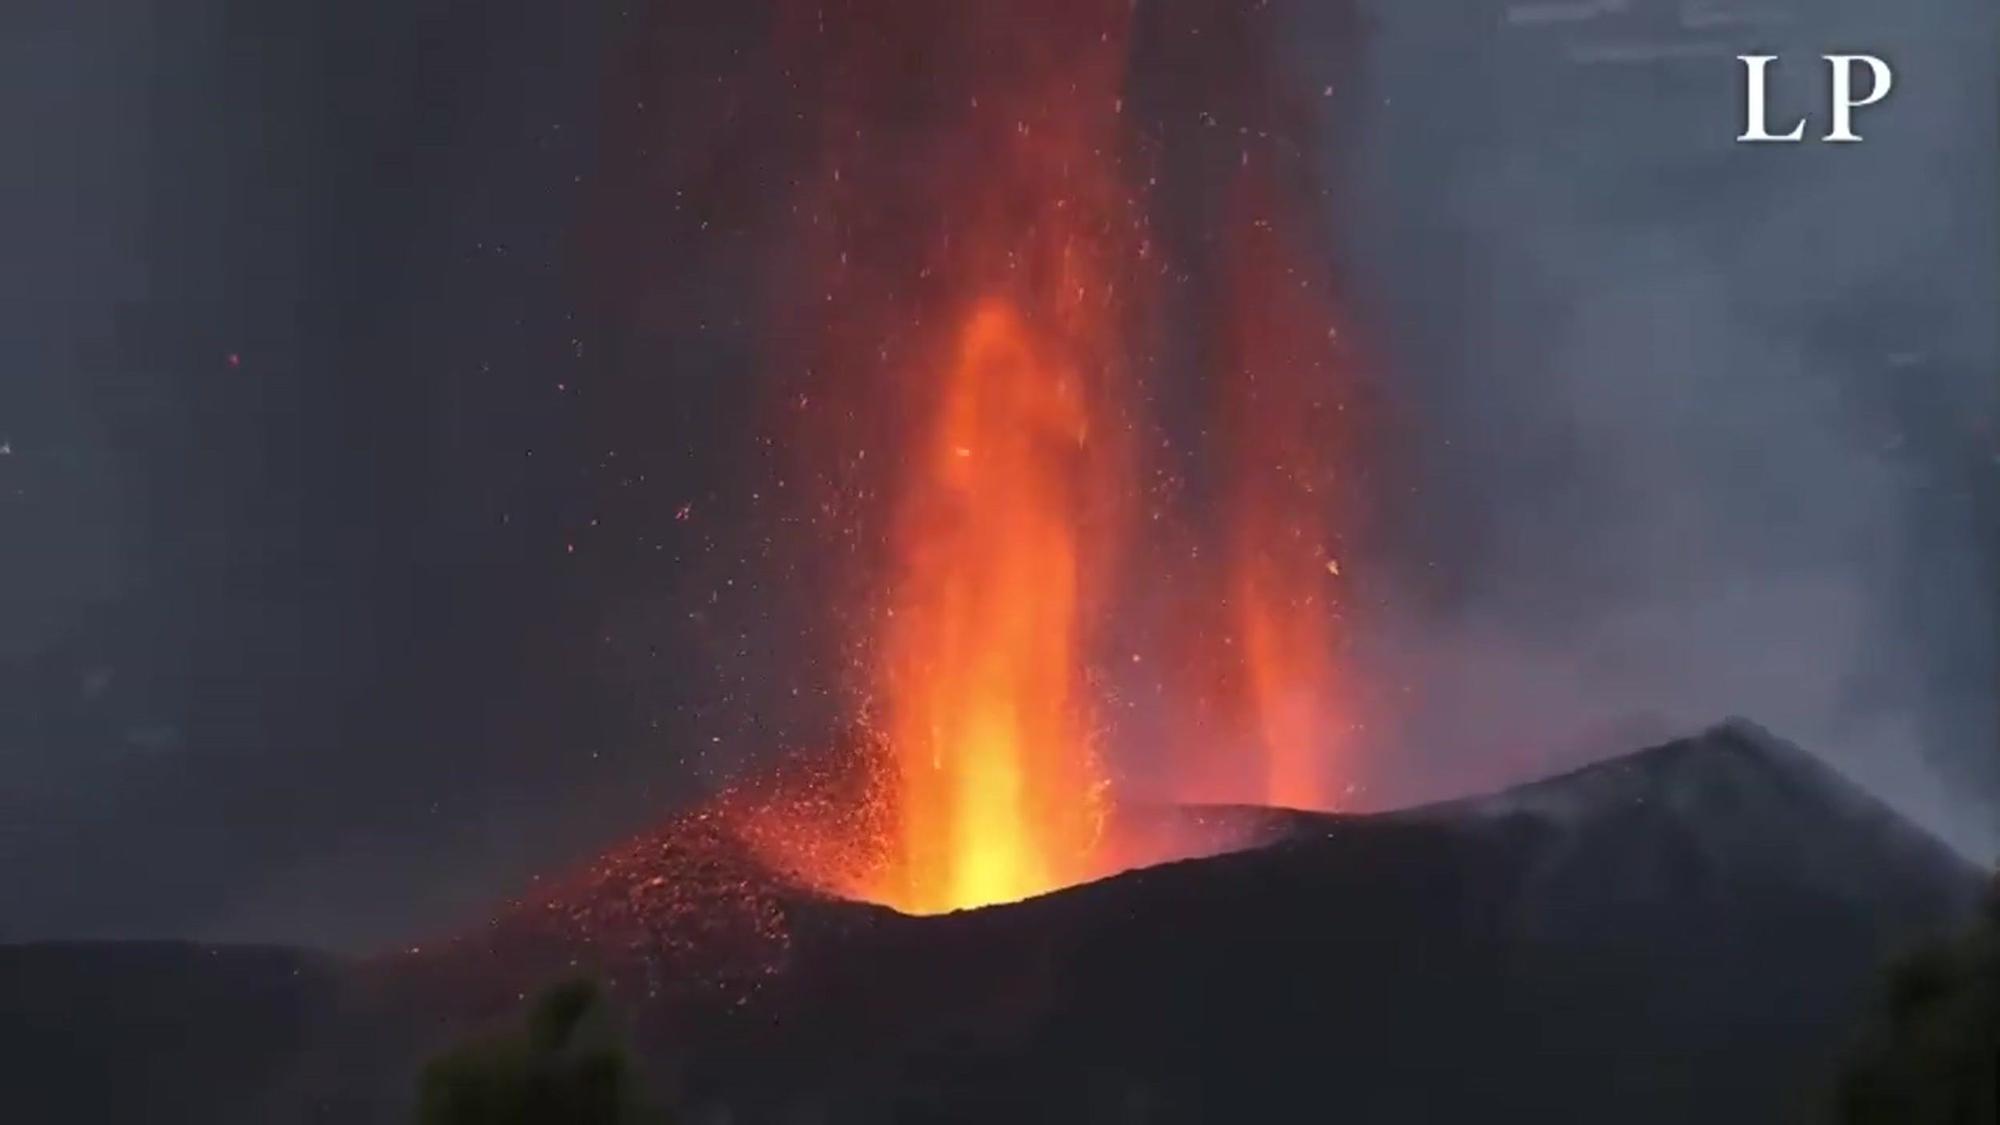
x: 1683, y: 933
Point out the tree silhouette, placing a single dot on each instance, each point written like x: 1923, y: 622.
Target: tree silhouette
x: 1932, y: 1054
x: 565, y: 1067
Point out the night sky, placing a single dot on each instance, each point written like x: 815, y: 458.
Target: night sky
x: 384, y: 509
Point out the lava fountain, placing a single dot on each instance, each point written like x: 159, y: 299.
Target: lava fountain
x: 966, y: 250
x: 1006, y: 504
x: 1281, y: 358
x: 999, y: 789
x: 971, y: 296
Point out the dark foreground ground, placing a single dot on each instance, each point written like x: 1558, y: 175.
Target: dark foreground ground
x: 1684, y: 934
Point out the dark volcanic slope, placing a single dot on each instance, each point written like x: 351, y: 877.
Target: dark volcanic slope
x: 1727, y: 810
x: 1682, y: 934
x: 1677, y: 935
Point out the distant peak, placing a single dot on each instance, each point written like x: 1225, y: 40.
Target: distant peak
x: 1736, y: 793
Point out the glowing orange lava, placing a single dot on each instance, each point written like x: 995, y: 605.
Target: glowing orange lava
x: 1284, y: 570
x: 972, y: 294
x: 972, y: 241
x: 1000, y: 790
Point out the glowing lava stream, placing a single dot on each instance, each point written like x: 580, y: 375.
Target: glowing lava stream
x: 1001, y: 793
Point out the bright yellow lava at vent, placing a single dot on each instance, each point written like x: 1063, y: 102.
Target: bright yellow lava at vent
x: 999, y: 790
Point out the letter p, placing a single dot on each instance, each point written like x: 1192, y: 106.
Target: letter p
x: 1844, y: 104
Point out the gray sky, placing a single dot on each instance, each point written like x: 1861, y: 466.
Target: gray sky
x: 1698, y: 428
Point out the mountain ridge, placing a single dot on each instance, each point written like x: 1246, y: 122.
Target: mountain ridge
x: 1685, y: 931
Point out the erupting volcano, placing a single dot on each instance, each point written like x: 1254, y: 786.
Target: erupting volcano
x: 999, y: 253
x: 1009, y: 479
x: 985, y: 302
x: 994, y: 561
